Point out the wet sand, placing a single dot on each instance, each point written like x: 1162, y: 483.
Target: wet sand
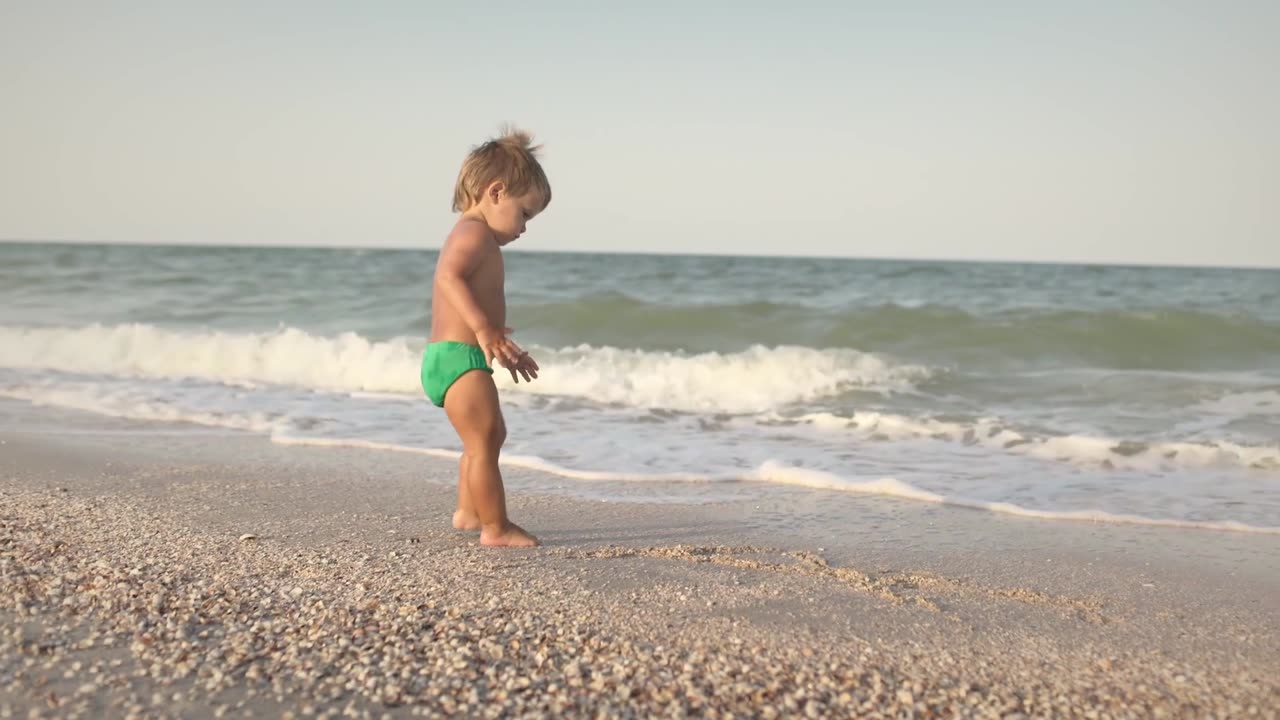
x: 208, y: 574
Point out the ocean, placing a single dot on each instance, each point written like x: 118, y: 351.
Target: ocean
x: 1055, y: 392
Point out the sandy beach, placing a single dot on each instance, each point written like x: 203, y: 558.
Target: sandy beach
x: 195, y: 574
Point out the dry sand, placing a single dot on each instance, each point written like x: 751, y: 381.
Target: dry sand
x: 199, y: 574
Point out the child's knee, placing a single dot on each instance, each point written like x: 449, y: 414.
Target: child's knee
x: 486, y: 435
x: 497, y: 434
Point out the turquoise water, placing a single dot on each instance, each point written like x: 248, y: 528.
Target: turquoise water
x: 1152, y: 393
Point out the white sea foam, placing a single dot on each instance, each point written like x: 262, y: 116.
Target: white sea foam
x: 754, y: 380
x: 527, y: 462
x: 288, y: 356
x: 1256, y: 403
x: 125, y: 405
x: 1080, y: 449
x: 780, y: 474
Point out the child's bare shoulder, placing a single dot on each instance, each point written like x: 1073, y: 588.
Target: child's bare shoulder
x: 467, y: 231
x: 467, y: 248
x: 468, y: 239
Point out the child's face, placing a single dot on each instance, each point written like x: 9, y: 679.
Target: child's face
x: 509, y: 214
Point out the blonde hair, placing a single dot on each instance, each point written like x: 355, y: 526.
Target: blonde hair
x: 511, y: 158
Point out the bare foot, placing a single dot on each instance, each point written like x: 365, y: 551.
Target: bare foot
x: 511, y: 536
x: 463, y: 520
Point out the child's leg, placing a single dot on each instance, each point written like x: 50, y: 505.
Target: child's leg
x: 465, y: 518
x: 472, y: 407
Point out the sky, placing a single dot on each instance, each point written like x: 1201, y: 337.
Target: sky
x: 1130, y: 132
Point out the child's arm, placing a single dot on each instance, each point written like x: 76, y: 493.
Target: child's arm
x: 459, y: 260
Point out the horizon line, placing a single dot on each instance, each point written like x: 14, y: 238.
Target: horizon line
x: 702, y: 254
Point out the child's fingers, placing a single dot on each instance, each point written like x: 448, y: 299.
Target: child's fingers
x: 529, y: 370
x: 501, y: 354
x: 501, y: 350
x: 518, y: 355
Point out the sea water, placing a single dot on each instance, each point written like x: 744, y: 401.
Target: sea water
x: 1124, y: 394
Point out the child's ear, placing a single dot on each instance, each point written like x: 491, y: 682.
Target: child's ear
x: 496, y: 190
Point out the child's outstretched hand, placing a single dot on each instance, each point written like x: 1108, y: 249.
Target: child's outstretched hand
x: 526, y: 367
x: 508, y: 353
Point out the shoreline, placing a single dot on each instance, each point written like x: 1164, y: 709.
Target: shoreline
x: 628, y: 607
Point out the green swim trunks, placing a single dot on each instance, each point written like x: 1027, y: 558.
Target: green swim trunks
x: 445, y: 362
